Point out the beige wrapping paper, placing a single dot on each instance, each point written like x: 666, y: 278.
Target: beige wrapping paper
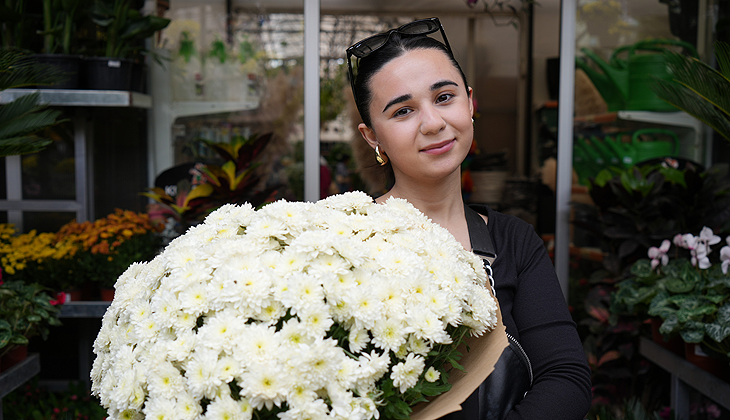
x: 478, y: 363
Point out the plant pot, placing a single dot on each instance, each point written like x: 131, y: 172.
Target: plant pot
x: 73, y: 296
x: 68, y: 64
x: 108, y: 73
x: 13, y: 357
x: 107, y: 294
x: 139, y: 79
x: 694, y: 354
x: 675, y: 344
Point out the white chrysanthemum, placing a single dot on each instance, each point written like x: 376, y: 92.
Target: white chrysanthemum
x: 431, y: 375
x: 391, y: 333
x: 187, y: 407
x: 199, y: 374
x: 405, y: 374
x: 260, y: 345
x: 364, y: 306
x: 303, y: 290
x: 159, y: 409
x: 225, y: 408
x: 247, y: 297
x: 264, y: 385
x: 358, y: 339
x: 165, y: 307
x: 194, y: 298
x: 127, y: 414
x: 317, y: 363
x: 164, y: 381
x: 219, y: 331
x: 310, y: 410
x: 373, y: 366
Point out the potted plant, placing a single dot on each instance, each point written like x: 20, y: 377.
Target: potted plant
x: 690, y: 293
x: 233, y: 178
x: 22, y: 118
x: 25, y: 311
x: 123, y: 30
x: 60, y: 19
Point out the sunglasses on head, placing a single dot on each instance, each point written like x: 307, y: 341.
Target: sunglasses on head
x: 367, y: 46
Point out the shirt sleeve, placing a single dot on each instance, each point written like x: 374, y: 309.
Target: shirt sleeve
x: 562, y: 381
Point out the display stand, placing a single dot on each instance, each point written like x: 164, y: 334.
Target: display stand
x: 86, y: 313
x: 17, y: 375
x: 84, y: 100
x: 685, y: 375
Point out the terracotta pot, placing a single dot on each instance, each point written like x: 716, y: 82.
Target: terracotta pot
x: 694, y: 354
x: 675, y: 344
x: 107, y: 295
x: 13, y: 357
x: 73, y: 296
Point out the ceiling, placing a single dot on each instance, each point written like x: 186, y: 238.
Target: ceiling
x: 415, y: 7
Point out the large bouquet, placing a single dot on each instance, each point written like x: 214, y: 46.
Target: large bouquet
x: 340, y: 309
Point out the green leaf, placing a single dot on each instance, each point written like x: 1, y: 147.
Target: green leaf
x: 4, y: 325
x: 5, y: 336
x: 692, y: 335
x: 434, y: 388
x: 678, y: 285
x: 20, y: 340
x: 670, y: 325
x: 642, y: 268
x: 34, y: 318
x: 717, y: 332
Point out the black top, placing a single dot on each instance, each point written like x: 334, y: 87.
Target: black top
x: 534, y: 311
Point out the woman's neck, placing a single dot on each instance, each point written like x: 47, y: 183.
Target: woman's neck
x: 441, y: 202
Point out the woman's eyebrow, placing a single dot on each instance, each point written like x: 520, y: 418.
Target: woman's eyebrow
x: 401, y: 98
x: 439, y: 85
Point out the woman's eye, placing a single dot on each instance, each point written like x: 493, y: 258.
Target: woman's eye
x: 401, y: 112
x: 444, y: 97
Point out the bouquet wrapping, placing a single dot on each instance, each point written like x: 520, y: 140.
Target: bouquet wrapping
x: 340, y: 309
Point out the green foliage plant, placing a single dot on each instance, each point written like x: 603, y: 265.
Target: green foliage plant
x: 25, y: 311
x: 690, y: 292
x: 233, y: 179
x: 636, y: 208
x: 698, y: 89
x: 60, y: 19
x: 22, y: 118
x: 124, y: 27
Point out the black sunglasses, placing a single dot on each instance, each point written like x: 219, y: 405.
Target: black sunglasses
x: 370, y: 44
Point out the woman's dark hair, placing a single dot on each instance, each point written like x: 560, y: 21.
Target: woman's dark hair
x: 396, y: 46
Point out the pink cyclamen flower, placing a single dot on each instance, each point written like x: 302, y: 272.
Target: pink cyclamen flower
x: 659, y: 255
x: 725, y: 256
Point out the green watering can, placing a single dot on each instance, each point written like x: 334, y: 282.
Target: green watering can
x: 638, y: 151
x: 645, y: 150
x: 611, y: 82
x: 645, y: 69
x: 626, y: 83
x: 611, y: 158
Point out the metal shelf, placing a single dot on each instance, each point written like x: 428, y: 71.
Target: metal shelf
x: 75, y: 97
x: 90, y: 309
x: 17, y: 375
x: 685, y: 374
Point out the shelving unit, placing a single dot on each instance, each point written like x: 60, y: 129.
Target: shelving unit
x: 83, y: 100
x: 87, y: 314
x: 685, y: 375
x: 17, y: 375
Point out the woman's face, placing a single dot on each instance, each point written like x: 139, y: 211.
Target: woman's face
x: 421, y: 115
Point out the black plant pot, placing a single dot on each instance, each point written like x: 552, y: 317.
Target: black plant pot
x: 108, y: 73
x: 139, y: 76
x: 69, y: 65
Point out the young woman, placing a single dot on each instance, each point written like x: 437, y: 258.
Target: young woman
x: 416, y: 109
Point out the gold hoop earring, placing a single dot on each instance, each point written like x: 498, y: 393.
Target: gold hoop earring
x: 382, y: 159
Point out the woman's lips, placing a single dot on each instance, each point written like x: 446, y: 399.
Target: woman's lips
x: 439, y: 148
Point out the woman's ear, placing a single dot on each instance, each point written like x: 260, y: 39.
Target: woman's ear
x: 471, y: 101
x: 368, y: 134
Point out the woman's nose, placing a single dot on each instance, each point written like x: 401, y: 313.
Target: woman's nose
x: 431, y: 120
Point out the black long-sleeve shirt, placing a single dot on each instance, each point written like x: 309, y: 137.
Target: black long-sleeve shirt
x: 534, y: 311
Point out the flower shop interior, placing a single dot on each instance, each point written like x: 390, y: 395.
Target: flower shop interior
x: 125, y: 122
